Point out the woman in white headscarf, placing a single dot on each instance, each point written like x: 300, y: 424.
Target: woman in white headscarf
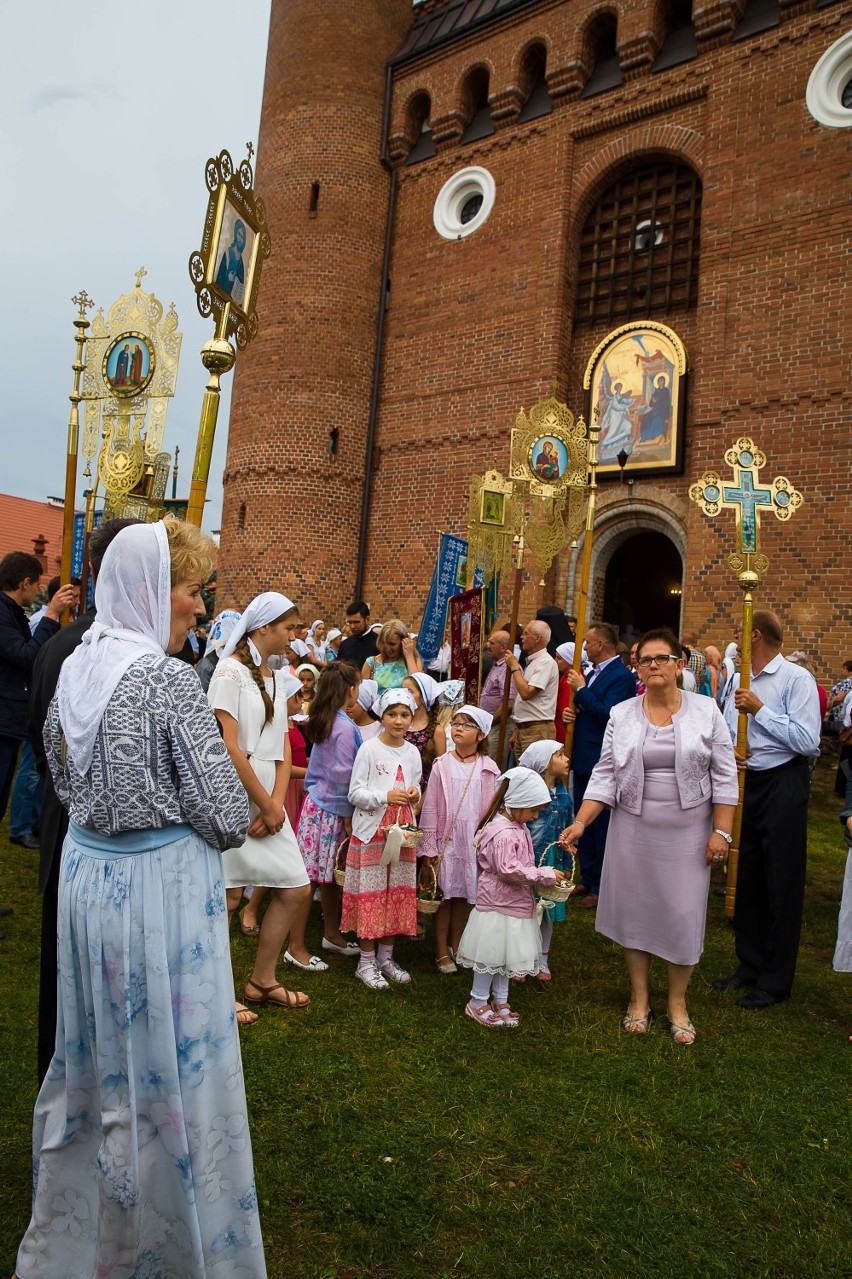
x: 250, y: 702
x: 317, y: 644
x: 426, y: 733
x: 220, y: 632
x: 147, y: 1064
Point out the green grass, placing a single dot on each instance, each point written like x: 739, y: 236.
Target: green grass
x: 394, y: 1138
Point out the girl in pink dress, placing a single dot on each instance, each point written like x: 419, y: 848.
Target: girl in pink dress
x: 380, y: 891
x: 502, y: 937
x: 461, y: 785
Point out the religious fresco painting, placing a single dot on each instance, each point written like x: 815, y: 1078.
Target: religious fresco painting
x: 637, y: 391
x: 234, y: 256
x: 128, y: 364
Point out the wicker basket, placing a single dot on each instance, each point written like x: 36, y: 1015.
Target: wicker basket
x: 558, y: 892
x: 429, y: 899
x: 340, y: 863
x: 413, y: 835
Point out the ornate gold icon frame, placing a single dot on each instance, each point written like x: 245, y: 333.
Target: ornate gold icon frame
x: 226, y: 274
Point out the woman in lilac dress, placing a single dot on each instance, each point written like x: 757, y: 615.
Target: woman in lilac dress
x: 667, y: 770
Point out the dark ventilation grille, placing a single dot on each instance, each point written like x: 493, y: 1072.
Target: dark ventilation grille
x: 639, y: 247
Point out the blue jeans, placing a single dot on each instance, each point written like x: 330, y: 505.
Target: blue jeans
x: 26, y: 797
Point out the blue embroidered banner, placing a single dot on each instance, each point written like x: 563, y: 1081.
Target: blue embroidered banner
x: 77, y: 552
x: 448, y: 579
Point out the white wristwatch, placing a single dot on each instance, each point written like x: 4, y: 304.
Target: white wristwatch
x: 727, y: 838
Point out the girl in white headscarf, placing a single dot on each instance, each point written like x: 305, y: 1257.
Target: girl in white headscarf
x: 380, y: 891
x: 502, y: 938
x: 250, y: 702
x: 147, y: 1062
x: 426, y: 732
x: 461, y: 785
x: 317, y: 644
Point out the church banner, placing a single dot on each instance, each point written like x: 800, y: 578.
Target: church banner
x: 449, y: 574
x: 467, y: 623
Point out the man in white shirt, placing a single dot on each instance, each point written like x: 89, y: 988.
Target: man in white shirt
x: 783, y: 734
x: 536, y: 686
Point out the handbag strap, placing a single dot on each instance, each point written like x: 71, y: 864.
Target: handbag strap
x: 477, y: 767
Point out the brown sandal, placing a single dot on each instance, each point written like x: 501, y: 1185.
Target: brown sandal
x: 293, y: 999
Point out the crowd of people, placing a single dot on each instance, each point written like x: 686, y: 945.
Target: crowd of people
x: 265, y: 763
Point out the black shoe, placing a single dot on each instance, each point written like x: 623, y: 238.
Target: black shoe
x: 25, y: 841
x: 5, y: 910
x: 734, y: 982
x: 758, y: 998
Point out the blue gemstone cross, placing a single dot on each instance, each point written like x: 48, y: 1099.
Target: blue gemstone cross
x: 747, y: 498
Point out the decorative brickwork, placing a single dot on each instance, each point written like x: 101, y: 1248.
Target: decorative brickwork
x: 477, y: 328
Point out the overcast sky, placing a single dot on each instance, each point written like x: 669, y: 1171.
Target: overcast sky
x: 109, y: 115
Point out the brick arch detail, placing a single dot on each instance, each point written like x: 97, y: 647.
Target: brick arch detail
x: 481, y: 64
x: 402, y: 114
x: 648, y: 139
x: 614, y: 526
x: 523, y: 49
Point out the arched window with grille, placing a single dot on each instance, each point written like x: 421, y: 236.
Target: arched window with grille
x: 639, y: 247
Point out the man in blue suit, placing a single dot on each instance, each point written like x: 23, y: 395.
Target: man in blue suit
x: 609, y: 683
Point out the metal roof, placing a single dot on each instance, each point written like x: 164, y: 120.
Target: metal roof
x: 458, y: 18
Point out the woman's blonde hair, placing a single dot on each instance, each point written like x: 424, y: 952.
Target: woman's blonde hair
x: 393, y: 627
x: 192, y: 552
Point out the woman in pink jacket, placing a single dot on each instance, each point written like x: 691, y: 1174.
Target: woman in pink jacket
x: 502, y: 938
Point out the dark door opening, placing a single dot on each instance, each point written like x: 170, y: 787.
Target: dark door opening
x: 642, y: 588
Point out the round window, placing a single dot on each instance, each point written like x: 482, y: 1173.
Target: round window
x: 829, y: 94
x: 464, y: 203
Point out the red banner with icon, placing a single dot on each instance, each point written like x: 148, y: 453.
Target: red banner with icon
x: 467, y: 620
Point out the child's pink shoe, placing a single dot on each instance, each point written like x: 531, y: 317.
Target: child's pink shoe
x: 504, y: 1012
x: 485, y: 1015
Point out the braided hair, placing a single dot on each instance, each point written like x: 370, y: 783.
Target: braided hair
x: 242, y: 654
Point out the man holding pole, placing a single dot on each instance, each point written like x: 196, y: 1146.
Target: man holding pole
x: 609, y: 683
x: 536, y: 687
x: 783, y: 734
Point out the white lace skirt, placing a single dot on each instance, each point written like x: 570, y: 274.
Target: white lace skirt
x: 495, y: 943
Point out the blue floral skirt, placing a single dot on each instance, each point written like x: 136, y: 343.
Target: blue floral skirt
x: 142, y: 1154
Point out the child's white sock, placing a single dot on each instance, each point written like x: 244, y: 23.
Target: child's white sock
x: 366, y: 958
x: 546, y: 933
x: 500, y: 988
x: 480, y: 990
x: 385, y: 952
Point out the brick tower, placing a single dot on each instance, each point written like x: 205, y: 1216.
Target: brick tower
x: 302, y: 390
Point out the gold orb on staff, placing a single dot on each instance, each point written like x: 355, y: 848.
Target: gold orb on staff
x: 747, y: 498
x: 225, y: 272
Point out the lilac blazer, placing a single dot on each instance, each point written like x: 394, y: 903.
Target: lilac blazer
x: 704, y: 757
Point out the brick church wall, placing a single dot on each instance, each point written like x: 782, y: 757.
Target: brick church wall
x: 477, y: 328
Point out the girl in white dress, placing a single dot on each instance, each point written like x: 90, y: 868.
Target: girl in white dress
x: 250, y: 702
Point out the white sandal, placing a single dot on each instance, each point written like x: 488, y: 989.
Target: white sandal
x: 446, y: 964
x: 369, y: 974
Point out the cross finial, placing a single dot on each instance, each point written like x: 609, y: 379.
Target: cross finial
x: 139, y: 275
x: 83, y: 301
x: 250, y: 150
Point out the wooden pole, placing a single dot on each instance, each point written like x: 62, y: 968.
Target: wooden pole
x: 83, y: 301
x: 513, y: 628
x: 583, y: 601
x: 741, y: 749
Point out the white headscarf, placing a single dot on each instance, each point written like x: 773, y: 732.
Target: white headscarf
x: 731, y: 651
x: 290, y: 683
x: 394, y: 697
x: 538, y: 755
x: 333, y: 634
x: 452, y: 692
x: 481, y: 718
x: 526, y: 789
x: 134, y: 614
x: 429, y: 688
x: 368, y: 691
x: 261, y: 611
x: 222, y: 626
x: 566, y: 652
x: 300, y: 648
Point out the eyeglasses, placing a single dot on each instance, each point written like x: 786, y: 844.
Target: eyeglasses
x: 663, y: 661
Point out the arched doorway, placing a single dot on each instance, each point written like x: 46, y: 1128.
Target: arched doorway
x: 642, y: 585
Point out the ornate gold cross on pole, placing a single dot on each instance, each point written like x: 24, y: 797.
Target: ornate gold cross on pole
x: 83, y: 303
x: 139, y: 275
x: 746, y: 497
